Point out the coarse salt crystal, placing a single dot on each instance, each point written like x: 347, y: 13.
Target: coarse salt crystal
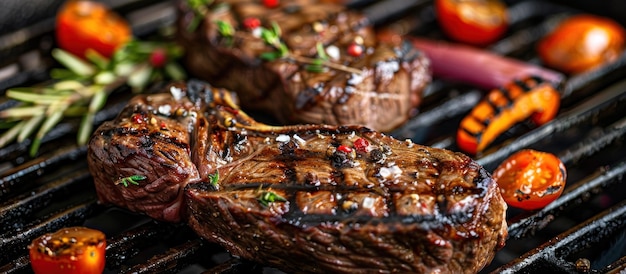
x: 165, y: 110
x: 298, y: 139
x: 177, y: 93
x: 283, y: 138
x: 368, y: 202
x: 333, y: 52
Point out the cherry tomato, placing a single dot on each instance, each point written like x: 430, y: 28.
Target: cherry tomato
x: 582, y: 42
x: 82, y: 25
x: 475, y: 22
x: 530, y: 179
x: 70, y: 250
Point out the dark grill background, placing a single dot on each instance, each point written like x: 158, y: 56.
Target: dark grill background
x: 54, y: 189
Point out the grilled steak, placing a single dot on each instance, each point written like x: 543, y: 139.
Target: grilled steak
x: 302, y: 198
x: 314, y: 70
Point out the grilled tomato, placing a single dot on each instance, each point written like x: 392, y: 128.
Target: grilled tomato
x: 70, y: 250
x: 530, y: 179
x: 82, y: 25
x: 475, y: 22
x: 582, y: 42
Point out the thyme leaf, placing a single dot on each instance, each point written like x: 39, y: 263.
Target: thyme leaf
x: 271, y: 37
x: 199, y: 12
x: 321, y: 52
x: 267, y: 197
x: 214, y: 178
x: 131, y: 180
x: 225, y: 29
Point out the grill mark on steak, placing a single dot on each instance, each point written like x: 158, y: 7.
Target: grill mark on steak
x: 381, y: 205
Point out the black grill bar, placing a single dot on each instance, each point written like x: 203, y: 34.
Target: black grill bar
x: 17, y: 209
x: 585, y: 83
x: 23, y: 175
x: 578, y: 193
x: 597, y: 141
x: 552, y: 255
x: 236, y: 265
x: 449, y: 109
x: 129, y: 244
x: 15, y: 242
x: 171, y: 261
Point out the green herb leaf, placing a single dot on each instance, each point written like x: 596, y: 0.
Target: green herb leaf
x: 268, y: 197
x: 46, y: 126
x: 86, y: 125
x: 317, y: 65
x: 73, y: 63
x: 131, y: 180
x: 320, y: 64
x: 175, y: 71
x: 30, y: 126
x: 276, y: 29
x: 270, y: 56
x: 321, y: 52
x: 225, y: 29
x: 195, y: 4
x: 214, y: 178
x: 81, y: 89
x: 35, y: 96
x: 23, y: 112
x: 97, y: 59
x: 199, y: 8
x: 11, y: 134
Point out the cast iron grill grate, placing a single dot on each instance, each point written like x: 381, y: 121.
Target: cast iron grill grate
x: 55, y: 190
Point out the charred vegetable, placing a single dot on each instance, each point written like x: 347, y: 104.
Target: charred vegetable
x: 476, y: 22
x: 83, y: 25
x: 531, y: 179
x: 531, y: 98
x: 581, y: 43
x: 476, y: 67
x: 68, y: 251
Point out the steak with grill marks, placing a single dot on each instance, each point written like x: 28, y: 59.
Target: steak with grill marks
x: 302, y: 198
x: 379, y: 88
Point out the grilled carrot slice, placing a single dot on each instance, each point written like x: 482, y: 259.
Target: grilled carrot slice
x: 531, y: 98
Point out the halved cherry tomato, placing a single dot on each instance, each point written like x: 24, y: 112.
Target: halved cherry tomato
x: 531, y: 98
x: 82, y: 25
x: 582, y: 42
x: 531, y: 179
x: 476, y: 22
x: 68, y: 251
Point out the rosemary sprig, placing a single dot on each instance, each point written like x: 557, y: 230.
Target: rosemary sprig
x: 81, y: 88
x: 131, y: 180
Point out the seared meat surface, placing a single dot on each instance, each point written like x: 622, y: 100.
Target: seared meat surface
x: 302, y: 198
x: 326, y: 65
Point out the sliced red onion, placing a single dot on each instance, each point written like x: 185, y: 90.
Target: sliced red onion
x: 478, y: 67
